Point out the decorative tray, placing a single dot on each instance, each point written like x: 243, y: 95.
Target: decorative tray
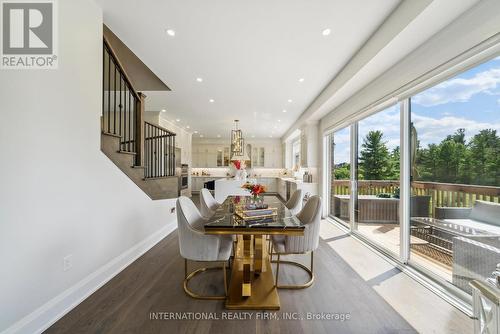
x: 246, y: 214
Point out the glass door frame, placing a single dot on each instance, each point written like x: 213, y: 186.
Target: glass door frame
x: 402, y: 260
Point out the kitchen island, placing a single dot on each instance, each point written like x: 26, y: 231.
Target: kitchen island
x: 230, y: 187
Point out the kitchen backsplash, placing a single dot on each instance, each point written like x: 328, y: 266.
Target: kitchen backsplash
x: 252, y: 172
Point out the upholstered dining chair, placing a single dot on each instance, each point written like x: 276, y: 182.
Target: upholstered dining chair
x: 196, y: 246
x: 294, y: 204
x: 208, y: 204
x: 310, y: 216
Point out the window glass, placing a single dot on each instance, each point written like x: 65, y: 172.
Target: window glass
x: 455, y: 167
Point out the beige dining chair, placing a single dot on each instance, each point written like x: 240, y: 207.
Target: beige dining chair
x: 310, y: 216
x: 197, y: 246
x: 208, y: 204
x: 294, y: 204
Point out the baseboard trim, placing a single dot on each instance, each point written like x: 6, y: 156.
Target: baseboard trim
x: 47, y: 314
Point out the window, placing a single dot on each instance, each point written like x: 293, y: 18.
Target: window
x: 455, y: 214
x: 340, y: 188
x: 296, y: 154
x: 377, y: 204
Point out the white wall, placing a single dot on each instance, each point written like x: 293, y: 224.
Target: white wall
x: 59, y: 194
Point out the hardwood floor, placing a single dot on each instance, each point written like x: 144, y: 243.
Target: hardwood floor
x: 350, y: 279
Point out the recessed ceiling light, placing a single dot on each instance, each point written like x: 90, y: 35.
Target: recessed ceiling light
x: 199, y: 79
x: 271, y: 136
x: 201, y: 136
x: 177, y: 120
x: 253, y: 136
x: 163, y: 110
x: 195, y: 131
x: 170, y: 32
x: 284, y: 110
x: 218, y: 136
x: 301, y: 80
x: 290, y: 100
x: 279, y: 120
x: 326, y: 32
x: 211, y: 100
x: 187, y: 126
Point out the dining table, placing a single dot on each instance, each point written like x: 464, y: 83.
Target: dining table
x: 252, y: 284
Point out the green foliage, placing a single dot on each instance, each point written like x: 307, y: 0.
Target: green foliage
x: 455, y: 160
x: 375, y: 161
x: 343, y: 172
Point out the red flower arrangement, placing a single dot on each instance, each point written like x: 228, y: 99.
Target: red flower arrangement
x: 237, y: 164
x: 255, y: 189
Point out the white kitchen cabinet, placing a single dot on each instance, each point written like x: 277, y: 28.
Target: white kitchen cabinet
x: 273, y: 158
x: 258, y: 157
x: 223, y: 156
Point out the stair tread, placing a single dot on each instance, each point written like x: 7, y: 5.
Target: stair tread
x: 127, y: 152
x: 110, y: 134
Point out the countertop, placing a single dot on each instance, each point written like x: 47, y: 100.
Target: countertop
x: 286, y: 179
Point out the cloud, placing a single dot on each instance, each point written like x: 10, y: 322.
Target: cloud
x: 434, y: 130
x: 386, y: 121
x: 460, y: 89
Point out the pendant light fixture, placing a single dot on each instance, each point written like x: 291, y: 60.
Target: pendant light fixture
x: 236, y: 139
x: 237, y: 144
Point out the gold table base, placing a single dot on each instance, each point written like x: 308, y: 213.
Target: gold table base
x: 252, y: 282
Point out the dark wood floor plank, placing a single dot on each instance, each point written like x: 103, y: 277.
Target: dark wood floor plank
x: 153, y: 283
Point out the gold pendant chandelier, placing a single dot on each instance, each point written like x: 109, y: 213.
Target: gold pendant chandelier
x: 236, y: 140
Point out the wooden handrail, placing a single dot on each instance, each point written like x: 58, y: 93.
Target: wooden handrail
x: 473, y: 189
x: 121, y: 68
x: 466, y: 188
x: 170, y: 133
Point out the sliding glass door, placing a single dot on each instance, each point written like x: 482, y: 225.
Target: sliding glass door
x: 377, y: 202
x: 447, y: 226
x: 455, y: 210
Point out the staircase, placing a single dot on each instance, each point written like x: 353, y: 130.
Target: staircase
x: 145, y: 152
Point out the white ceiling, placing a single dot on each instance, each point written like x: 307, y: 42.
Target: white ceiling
x: 250, y: 54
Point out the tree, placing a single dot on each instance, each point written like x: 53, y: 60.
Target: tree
x: 374, y: 157
x: 394, y: 164
x: 451, y: 155
x: 458, y: 137
x: 485, y: 151
x: 342, y: 172
x: 454, y: 160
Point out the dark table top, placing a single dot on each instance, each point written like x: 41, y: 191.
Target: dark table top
x: 226, y: 221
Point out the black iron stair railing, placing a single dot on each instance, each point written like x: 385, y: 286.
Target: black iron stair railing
x: 119, y: 102
x: 159, y: 151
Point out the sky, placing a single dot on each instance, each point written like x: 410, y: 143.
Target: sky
x: 470, y: 100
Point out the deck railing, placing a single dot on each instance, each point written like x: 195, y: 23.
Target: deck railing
x: 442, y: 194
